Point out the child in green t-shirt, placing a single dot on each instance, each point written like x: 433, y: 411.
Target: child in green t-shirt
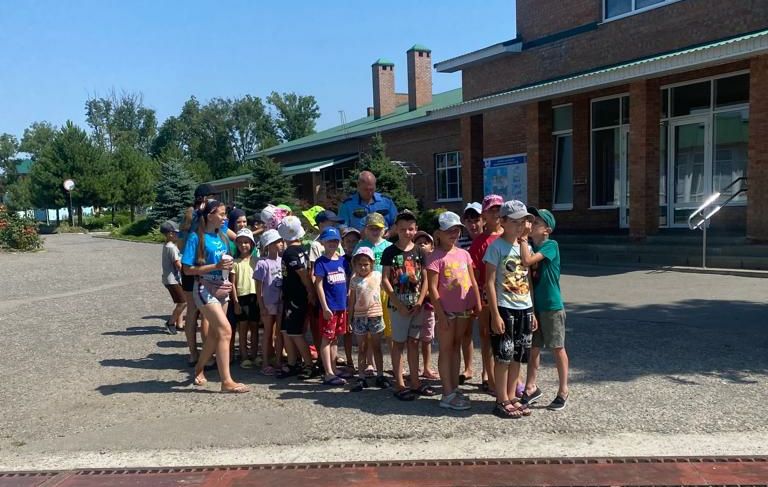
x: 548, y: 306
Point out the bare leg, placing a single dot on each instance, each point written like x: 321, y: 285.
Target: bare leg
x: 466, y: 350
x: 561, y: 361
x: 460, y: 329
x: 534, y: 362
x: 178, y: 311
x: 221, y: 333
x: 242, y: 332
x: 267, y: 348
x: 501, y: 372
x: 485, y: 349
x: 378, y: 357
x: 413, y: 362
x: 361, y: 355
x: 348, y: 348
x: 253, y: 327
x: 426, y: 351
x: 397, y: 363
x: 326, y: 355
x: 445, y: 335
x: 203, y: 328
x: 190, y: 327
x: 302, y: 348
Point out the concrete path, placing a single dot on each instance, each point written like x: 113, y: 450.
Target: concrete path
x: 663, y: 363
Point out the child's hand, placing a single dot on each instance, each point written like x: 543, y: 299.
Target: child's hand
x: 477, y: 310
x: 497, y: 325
x: 534, y: 324
x: 327, y: 314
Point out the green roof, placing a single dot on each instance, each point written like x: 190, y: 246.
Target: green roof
x: 367, y: 125
x: 292, y: 169
x: 383, y: 62
x: 420, y: 47
x: 24, y: 166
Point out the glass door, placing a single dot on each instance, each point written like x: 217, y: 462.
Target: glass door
x: 690, y: 167
x: 624, y: 178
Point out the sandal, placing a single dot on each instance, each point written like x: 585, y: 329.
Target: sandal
x: 268, y: 371
x: 502, y: 411
x: 405, y: 395
x: 361, y: 384
x: 287, y: 371
x: 424, y: 390
x: 522, y: 407
x: 238, y: 389
x: 334, y: 381
x: 306, y: 373
x: 340, y: 362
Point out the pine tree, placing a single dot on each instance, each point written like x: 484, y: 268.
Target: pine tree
x: 268, y: 184
x: 174, y: 192
x: 391, y: 179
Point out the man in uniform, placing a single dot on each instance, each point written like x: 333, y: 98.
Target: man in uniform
x: 356, y: 208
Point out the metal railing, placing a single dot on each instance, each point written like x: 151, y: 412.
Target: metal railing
x: 700, y: 218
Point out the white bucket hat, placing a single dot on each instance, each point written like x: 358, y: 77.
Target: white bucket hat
x: 245, y: 233
x: 290, y: 229
x: 268, y: 238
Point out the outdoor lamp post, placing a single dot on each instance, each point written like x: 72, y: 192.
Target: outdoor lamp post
x: 69, y: 185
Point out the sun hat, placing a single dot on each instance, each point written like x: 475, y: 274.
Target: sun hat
x: 375, y: 220
x: 366, y: 251
x: 422, y: 233
x: 245, y: 233
x: 448, y: 220
x: 492, y: 200
x: 271, y: 216
x: 329, y: 233
x: 290, y: 229
x: 268, y: 238
x: 545, y: 215
x: 168, y: 227
x: 514, y: 209
x: 311, y: 214
x: 474, y: 206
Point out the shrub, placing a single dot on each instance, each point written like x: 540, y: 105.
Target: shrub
x: 17, y: 233
x: 427, y: 219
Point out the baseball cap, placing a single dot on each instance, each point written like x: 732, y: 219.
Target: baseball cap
x: 269, y: 237
x: 448, y: 220
x: 366, y: 251
x: 492, y: 200
x: 405, y: 215
x: 329, y: 233
x: 514, y: 209
x: 349, y: 230
x: 545, y: 215
x: 204, y: 189
x: 245, y: 233
x: 328, y: 216
x: 474, y: 206
x: 422, y: 233
x: 290, y: 229
x: 169, y: 226
x: 375, y: 220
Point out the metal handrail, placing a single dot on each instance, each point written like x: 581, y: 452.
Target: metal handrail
x: 708, y: 209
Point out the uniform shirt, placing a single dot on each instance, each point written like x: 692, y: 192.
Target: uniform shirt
x: 171, y: 254
x: 334, y: 275
x: 512, y: 288
x: 354, y: 211
x: 546, y: 288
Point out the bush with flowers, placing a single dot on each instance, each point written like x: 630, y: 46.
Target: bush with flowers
x: 18, y: 233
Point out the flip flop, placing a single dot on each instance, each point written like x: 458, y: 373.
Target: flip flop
x: 199, y: 381
x: 334, y: 381
x: 424, y: 390
x: 238, y: 389
x: 405, y: 395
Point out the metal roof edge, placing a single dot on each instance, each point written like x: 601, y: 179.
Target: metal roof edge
x: 457, y: 63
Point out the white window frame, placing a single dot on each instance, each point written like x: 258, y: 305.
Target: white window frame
x: 592, y: 130
x: 437, y: 155
x: 555, y: 137
x: 634, y: 10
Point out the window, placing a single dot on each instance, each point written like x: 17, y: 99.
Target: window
x: 448, y: 176
x: 562, y: 187
x: 609, y: 117
x: 620, y: 8
x: 731, y: 141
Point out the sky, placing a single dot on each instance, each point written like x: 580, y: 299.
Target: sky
x: 55, y: 55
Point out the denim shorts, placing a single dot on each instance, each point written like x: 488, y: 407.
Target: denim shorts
x: 362, y: 325
x: 514, y: 344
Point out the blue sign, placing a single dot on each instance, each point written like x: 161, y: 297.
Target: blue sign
x: 506, y: 176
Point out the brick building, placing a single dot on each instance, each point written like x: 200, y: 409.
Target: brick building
x: 618, y: 114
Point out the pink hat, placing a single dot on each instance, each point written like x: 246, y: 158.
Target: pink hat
x: 492, y: 200
x: 366, y: 251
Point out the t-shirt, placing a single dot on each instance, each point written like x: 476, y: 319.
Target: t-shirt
x: 512, y: 288
x: 378, y: 251
x: 405, y: 272
x: 269, y: 272
x: 244, y: 282
x: 334, y: 275
x: 171, y: 254
x: 546, y: 286
x: 367, y: 295
x: 294, y: 260
x: 465, y: 241
x: 477, y: 251
x: 215, y: 248
x: 453, y: 280
x: 316, y: 249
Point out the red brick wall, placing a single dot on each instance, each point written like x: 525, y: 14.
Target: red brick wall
x: 384, y: 98
x: 539, y: 18
x: 667, y: 28
x: 757, y: 171
x: 645, y: 105
x: 419, y: 78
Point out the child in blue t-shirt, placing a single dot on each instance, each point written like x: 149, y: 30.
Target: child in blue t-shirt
x: 331, y: 283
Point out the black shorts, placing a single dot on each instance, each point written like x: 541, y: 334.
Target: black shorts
x: 294, y: 314
x: 249, y: 308
x: 514, y: 345
x: 187, y: 283
x: 176, y: 293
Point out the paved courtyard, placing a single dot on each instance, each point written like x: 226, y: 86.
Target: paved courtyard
x: 663, y: 363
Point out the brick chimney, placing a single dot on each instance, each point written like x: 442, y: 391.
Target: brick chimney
x: 419, y: 76
x: 384, y: 99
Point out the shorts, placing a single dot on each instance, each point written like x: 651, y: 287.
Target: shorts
x: 187, y: 283
x: 551, y: 331
x: 362, y: 325
x: 249, y: 308
x: 336, y: 326
x: 202, y: 297
x: 514, y: 345
x: 405, y: 327
x: 428, y: 326
x: 177, y: 293
x: 272, y: 309
x: 294, y: 314
x: 453, y: 315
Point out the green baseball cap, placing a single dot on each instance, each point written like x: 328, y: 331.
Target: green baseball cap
x: 545, y: 215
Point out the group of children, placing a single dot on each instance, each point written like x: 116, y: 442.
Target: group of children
x: 398, y: 286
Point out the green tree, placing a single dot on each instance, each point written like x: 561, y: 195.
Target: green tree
x: 391, y: 179
x: 18, y: 195
x: 296, y: 114
x: 251, y: 127
x: 174, y: 191
x: 138, y: 174
x: 121, y: 120
x: 267, y: 185
x: 36, y: 138
x: 9, y: 147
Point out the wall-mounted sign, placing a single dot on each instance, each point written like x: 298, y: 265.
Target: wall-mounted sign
x: 506, y: 176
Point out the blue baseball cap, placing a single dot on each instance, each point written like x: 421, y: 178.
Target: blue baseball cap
x: 328, y: 216
x: 330, y: 233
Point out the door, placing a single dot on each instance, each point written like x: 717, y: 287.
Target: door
x: 690, y: 167
x: 624, y: 178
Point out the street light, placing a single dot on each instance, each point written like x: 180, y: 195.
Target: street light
x: 69, y: 185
